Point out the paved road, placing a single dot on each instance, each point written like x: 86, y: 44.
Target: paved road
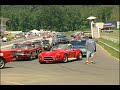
x: 105, y: 71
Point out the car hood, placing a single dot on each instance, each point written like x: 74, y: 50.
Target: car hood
x: 21, y: 49
x: 51, y: 53
x: 79, y: 46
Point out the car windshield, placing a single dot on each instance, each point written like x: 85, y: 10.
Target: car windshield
x: 36, y: 43
x: 26, y: 45
x: 62, y: 36
x: 60, y: 46
x: 16, y: 46
x: 82, y: 43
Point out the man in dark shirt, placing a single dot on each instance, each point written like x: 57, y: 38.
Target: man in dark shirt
x: 90, y: 47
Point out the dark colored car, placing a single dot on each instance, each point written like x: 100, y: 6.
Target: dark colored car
x: 38, y: 44
x: 63, y: 39
x: 46, y: 45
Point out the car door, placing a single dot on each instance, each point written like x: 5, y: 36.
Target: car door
x: 71, y: 51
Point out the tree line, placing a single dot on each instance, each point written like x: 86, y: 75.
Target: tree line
x: 56, y: 17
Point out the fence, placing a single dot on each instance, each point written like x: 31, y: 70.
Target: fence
x: 109, y: 46
x: 111, y: 39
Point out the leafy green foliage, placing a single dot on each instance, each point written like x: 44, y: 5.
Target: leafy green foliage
x: 56, y: 17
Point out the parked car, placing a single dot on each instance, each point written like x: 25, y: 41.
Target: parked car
x: 38, y: 44
x: 26, y: 50
x: 81, y: 43
x: 5, y: 57
x: 16, y: 45
x: 4, y: 39
x: 46, y: 45
x: 60, y: 53
x: 63, y: 39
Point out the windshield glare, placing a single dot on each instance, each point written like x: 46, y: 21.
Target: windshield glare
x: 59, y: 47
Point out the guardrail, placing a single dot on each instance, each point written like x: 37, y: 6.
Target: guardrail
x: 109, y: 46
x: 111, y: 39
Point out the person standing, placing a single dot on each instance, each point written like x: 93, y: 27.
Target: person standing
x: 90, y: 47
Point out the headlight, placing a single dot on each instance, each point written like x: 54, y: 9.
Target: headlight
x: 1, y: 54
x: 57, y: 56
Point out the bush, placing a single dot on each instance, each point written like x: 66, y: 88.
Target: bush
x: 9, y: 37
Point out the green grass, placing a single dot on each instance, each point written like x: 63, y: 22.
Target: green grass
x: 110, y: 50
x: 72, y: 32
x: 110, y: 43
x: 114, y: 35
x: 69, y: 32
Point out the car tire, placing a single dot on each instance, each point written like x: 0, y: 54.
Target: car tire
x: 95, y: 49
x: 31, y: 56
x: 2, y: 63
x: 65, y: 58
x: 79, y: 57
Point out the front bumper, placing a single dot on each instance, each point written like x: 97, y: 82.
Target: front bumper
x: 22, y: 56
x: 49, y: 60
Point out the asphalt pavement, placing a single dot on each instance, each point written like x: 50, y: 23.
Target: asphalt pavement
x: 105, y: 71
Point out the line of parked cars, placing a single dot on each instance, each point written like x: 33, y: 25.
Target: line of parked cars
x: 51, y: 49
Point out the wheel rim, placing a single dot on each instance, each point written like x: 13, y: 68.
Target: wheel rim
x: 80, y: 56
x: 2, y: 63
x: 31, y: 57
x: 65, y: 59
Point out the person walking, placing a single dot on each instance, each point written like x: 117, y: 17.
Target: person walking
x: 90, y: 47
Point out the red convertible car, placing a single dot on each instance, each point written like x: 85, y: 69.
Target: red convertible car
x: 5, y: 57
x: 59, y: 53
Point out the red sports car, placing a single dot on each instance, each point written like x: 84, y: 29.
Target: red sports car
x: 59, y: 53
x: 5, y: 57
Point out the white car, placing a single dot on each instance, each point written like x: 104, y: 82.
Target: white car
x: 4, y: 39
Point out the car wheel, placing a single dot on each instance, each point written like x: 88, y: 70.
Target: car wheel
x: 95, y: 49
x: 79, y: 57
x: 65, y: 58
x: 2, y: 63
x: 31, y: 56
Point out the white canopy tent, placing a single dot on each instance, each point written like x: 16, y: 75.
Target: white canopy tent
x: 34, y: 31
